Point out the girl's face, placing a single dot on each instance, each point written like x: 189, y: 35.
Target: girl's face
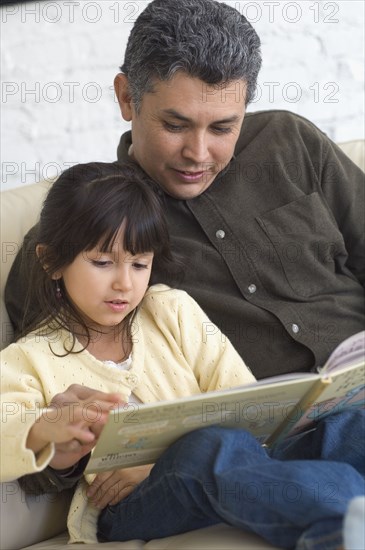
x: 106, y: 286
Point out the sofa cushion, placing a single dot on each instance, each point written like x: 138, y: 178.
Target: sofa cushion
x: 26, y: 519
x: 61, y: 543
x: 20, y: 209
x: 217, y: 537
x: 355, y: 150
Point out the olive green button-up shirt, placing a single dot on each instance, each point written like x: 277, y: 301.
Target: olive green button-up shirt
x: 274, y: 249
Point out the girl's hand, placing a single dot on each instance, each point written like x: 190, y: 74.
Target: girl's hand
x: 112, y: 487
x: 73, y: 422
x: 69, y: 454
x: 59, y: 425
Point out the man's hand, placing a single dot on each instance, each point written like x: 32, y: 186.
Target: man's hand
x: 112, y: 487
x: 73, y: 421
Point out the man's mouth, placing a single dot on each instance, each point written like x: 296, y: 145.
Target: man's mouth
x: 191, y: 176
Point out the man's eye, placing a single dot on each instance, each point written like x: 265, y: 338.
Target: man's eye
x: 173, y: 127
x: 222, y: 130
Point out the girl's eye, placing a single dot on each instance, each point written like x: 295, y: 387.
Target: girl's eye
x: 138, y: 265
x: 101, y: 263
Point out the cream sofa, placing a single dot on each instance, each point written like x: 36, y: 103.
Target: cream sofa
x: 40, y: 522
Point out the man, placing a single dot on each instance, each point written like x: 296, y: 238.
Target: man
x: 266, y: 212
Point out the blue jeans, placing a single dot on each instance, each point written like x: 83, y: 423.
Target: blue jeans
x: 294, y: 496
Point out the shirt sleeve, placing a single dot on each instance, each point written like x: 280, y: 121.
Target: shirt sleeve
x: 343, y: 186
x: 22, y: 402
x: 53, y: 481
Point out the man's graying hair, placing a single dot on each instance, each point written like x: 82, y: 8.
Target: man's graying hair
x: 202, y: 38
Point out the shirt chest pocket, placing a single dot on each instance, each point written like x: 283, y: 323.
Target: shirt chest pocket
x: 306, y: 243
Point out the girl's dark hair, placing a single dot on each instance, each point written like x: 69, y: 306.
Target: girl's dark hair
x: 85, y: 208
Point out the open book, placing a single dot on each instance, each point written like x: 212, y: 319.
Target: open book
x: 271, y: 409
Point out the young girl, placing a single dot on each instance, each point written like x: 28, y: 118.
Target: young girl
x: 101, y: 326
x: 105, y: 337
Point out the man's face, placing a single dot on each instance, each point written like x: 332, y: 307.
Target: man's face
x: 185, y: 132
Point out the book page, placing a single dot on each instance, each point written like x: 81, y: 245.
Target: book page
x: 346, y: 391
x: 138, y: 434
x: 349, y: 352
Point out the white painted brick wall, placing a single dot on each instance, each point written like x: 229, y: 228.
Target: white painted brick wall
x: 59, y: 59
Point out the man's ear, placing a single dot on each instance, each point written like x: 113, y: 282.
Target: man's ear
x: 121, y: 87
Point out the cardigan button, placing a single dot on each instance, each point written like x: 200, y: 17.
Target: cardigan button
x: 220, y: 234
x: 132, y: 378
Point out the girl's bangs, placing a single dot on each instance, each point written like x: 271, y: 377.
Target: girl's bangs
x: 139, y: 237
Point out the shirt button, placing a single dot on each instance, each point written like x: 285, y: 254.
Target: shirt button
x: 295, y: 328
x: 252, y: 289
x: 220, y: 234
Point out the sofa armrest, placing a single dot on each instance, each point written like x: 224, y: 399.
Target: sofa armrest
x: 28, y: 519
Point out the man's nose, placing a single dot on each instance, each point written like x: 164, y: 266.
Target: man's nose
x: 196, y: 148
